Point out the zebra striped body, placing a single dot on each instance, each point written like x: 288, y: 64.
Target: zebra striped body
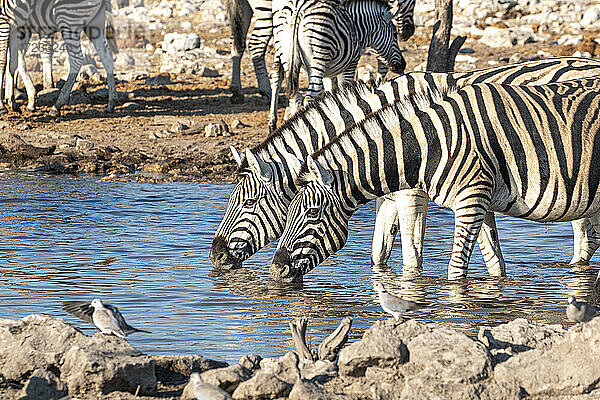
x: 328, y: 38
x: 70, y: 17
x: 258, y: 205
x: 531, y: 152
x: 240, y: 15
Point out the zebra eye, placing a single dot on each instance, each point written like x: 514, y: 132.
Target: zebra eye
x: 249, y: 203
x: 312, y: 212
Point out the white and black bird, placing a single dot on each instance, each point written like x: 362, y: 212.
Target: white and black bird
x: 107, y: 318
x: 394, y: 305
x: 205, y: 391
x: 580, y: 311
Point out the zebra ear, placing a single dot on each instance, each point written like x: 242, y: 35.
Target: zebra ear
x: 293, y: 163
x: 258, y: 166
x: 236, y: 156
x: 323, y: 175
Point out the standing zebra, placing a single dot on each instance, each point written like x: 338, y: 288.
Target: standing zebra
x: 70, y: 17
x: 328, y: 38
x: 258, y: 205
x: 531, y: 152
x: 240, y: 15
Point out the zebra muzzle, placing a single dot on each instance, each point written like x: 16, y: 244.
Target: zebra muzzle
x: 221, y: 257
x: 282, y: 269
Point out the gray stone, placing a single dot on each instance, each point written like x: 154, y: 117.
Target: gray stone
x: 43, y: 385
x: 517, y: 336
x: 227, y: 378
x: 214, y: 129
x: 382, y: 345
x: 449, y: 356
x: 162, y: 79
x: 318, y: 371
x: 208, y: 72
x: 425, y: 389
x: 176, y: 42
x: 262, y: 386
x: 307, y: 390
x: 83, y: 145
x: 41, y: 342
x: 177, y: 369
x: 569, y: 367
x: 497, y: 37
x: 591, y: 17
x: 105, y: 364
x: 251, y: 362
x: 285, y: 368
x: 124, y: 60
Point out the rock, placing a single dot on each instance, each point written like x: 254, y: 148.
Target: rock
x: 237, y: 124
x: 124, y: 60
x: 591, y: 17
x: 177, y: 369
x: 208, y: 72
x: 228, y: 378
x: 460, y: 391
x: 285, y: 368
x: 83, y: 145
x: 47, y: 97
x: 382, y: 345
x: 162, y: 79
x: 497, y: 37
x: 568, y: 367
x: 214, y: 129
x: 41, y: 341
x: 448, y: 355
x: 178, y: 127
x: 517, y: 336
x: 105, y: 364
x: 251, y: 362
x: 262, y: 386
x: 164, y: 10
x: 318, y: 371
x: 176, y: 42
x: 304, y: 390
x: 43, y: 385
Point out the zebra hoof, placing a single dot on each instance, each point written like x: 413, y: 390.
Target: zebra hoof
x: 16, y: 109
x: 236, y: 98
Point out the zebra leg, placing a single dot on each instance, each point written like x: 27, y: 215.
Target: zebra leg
x: 490, y: 246
x: 105, y: 55
x: 240, y: 15
x: 382, y: 70
x: 468, y: 217
x: 586, y: 239
x: 386, y: 228
x: 47, y: 50
x: 4, y: 35
x: 257, y: 46
x: 22, y: 68
x: 71, y: 38
x: 276, y: 79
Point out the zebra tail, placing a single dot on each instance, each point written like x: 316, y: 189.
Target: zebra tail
x: 294, y: 62
x: 236, y: 20
x: 110, y: 32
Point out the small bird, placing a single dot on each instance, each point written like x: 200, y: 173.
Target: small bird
x: 394, y: 305
x: 107, y: 318
x: 205, y: 391
x: 580, y: 311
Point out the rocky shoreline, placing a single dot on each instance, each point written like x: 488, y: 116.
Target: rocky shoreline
x: 44, y: 358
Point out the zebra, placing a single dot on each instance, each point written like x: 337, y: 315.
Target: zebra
x: 257, y: 208
x: 531, y: 152
x: 240, y: 14
x: 327, y: 38
x: 70, y: 18
x: 405, y: 211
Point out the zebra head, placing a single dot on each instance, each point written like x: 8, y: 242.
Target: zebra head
x: 316, y: 227
x: 256, y: 211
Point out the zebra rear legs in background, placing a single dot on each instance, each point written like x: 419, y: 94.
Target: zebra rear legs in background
x: 240, y: 14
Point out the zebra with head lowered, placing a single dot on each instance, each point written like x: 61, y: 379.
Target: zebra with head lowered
x: 531, y: 152
x: 70, y: 18
x: 257, y: 208
x: 328, y: 38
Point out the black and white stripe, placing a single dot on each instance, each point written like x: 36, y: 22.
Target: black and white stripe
x: 257, y: 207
x: 70, y: 17
x: 240, y: 14
x: 531, y: 152
x: 327, y: 38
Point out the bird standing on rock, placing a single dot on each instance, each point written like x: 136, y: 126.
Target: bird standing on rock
x: 205, y: 391
x: 107, y: 318
x: 394, y: 305
x: 580, y: 311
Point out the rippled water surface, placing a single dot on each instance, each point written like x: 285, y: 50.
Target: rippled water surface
x: 144, y: 248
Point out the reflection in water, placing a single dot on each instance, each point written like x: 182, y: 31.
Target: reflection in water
x: 144, y: 248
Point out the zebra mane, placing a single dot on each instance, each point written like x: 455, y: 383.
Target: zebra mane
x: 405, y: 107
x: 380, y: 2
x: 342, y: 94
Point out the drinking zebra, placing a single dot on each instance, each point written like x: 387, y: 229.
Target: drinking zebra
x: 240, y: 14
x: 531, y: 152
x: 328, y: 38
x: 70, y: 18
x: 257, y: 208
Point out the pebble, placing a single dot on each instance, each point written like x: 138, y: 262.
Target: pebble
x: 214, y: 129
